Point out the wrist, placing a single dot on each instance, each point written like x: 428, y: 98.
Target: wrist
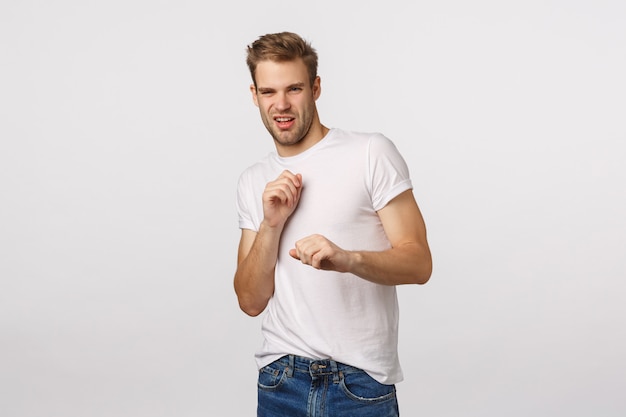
x: 354, y: 260
x: 271, y: 226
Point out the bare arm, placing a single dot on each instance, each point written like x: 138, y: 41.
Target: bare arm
x: 258, y: 251
x: 254, y: 278
x: 407, y: 262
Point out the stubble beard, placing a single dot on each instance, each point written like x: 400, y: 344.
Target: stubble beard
x: 289, y: 137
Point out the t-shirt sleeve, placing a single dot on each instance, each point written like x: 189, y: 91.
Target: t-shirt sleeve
x: 388, y: 171
x: 244, y: 204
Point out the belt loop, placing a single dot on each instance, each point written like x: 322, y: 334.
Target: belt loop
x: 291, y: 366
x: 333, y: 367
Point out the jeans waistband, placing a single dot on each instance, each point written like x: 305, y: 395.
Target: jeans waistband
x: 317, y: 367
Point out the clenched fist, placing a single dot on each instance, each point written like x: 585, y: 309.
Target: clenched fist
x: 281, y: 197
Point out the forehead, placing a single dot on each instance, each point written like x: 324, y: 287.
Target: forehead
x: 279, y: 74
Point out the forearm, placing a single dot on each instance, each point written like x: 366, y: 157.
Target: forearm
x: 254, y: 278
x: 410, y: 263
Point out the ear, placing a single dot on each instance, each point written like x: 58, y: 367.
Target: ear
x: 254, y: 97
x: 317, y: 88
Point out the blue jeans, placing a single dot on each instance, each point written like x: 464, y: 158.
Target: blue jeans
x: 294, y: 386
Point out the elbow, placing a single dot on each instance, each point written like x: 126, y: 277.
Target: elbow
x: 424, y: 271
x: 418, y: 264
x: 250, y: 309
x: 252, y: 301
x: 252, y: 306
x: 422, y: 279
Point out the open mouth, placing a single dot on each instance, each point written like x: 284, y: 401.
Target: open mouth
x: 284, y: 122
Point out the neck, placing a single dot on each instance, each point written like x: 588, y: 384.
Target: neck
x: 316, y: 133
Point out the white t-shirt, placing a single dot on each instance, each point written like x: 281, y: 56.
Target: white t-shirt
x: 346, y: 177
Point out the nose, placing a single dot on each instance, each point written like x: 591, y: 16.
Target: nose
x: 282, y: 102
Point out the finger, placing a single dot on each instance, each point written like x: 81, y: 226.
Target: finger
x: 307, y: 250
x: 317, y: 258
x: 277, y: 194
x: 296, y: 179
x: 285, y: 192
x: 294, y: 182
x: 299, y: 193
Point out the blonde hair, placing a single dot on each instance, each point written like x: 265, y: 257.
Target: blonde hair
x: 281, y: 47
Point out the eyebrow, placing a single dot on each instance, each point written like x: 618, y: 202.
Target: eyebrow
x: 269, y: 89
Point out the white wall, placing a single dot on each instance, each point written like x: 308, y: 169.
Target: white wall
x: 125, y: 124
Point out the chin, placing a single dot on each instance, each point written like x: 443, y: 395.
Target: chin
x: 288, y: 141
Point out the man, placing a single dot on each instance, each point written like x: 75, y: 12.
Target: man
x: 329, y: 228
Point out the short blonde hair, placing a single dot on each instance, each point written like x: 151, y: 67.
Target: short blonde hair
x: 281, y: 47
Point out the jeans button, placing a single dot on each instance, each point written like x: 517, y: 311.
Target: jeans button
x: 314, y: 367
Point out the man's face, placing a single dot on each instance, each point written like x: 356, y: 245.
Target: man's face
x: 286, y: 101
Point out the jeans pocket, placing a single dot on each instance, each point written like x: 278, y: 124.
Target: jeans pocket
x: 270, y: 377
x: 361, y: 387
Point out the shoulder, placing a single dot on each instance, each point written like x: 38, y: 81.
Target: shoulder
x: 257, y: 173
x: 257, y: 169
x: 375, y: 143
x: 372, y: 145
x: 365, y: 139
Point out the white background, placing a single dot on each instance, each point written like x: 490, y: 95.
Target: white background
x: 125, y: 124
